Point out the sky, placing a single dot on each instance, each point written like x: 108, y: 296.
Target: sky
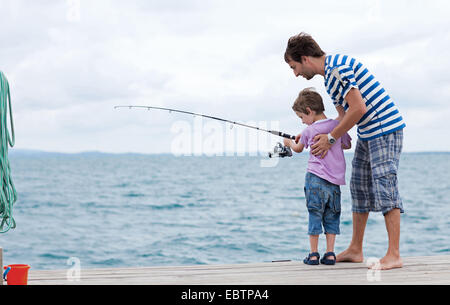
x: 69, y: 62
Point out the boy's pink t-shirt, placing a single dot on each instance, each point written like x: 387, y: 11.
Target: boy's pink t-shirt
x: 332, y: 167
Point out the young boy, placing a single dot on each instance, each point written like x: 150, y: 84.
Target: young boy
x: 323, y: 177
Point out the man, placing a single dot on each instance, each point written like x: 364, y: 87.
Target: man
x: 359, y: 100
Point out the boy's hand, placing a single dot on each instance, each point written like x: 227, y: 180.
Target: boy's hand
x: 287, y: 142
x: 297, y: 147
x: 297, y: 138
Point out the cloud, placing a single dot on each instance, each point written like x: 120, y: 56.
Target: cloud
x: 214, y: 57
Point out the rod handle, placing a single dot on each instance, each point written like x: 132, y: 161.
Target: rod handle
x: 282, y: 134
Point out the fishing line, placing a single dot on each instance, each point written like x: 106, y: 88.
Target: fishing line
x: 274, y: 132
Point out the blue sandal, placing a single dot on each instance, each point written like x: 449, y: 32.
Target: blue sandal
x: 309, y: 261
x: 326, y: 261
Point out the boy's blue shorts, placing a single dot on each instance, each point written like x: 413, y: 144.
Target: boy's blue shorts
x: 323, y: 200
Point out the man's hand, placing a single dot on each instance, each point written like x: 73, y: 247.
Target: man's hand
x: 320, y: 146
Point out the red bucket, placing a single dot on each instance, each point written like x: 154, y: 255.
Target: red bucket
x: 16, y: 274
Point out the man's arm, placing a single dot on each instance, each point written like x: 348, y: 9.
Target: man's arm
x: 341, y: 112
x: 357, y: 108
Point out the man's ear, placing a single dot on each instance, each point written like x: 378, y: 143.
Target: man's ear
x: 303, y: 59
x: 308, y: 110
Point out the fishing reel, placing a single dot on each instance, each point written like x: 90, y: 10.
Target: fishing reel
x: 280, y: 151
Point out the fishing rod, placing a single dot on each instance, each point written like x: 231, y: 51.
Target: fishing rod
x: 274, y: 132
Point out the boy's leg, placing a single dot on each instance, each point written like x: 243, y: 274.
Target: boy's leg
x: 315, y: 209
x: 331, y: 217
x: 331, y: 238
x: 314, y: 244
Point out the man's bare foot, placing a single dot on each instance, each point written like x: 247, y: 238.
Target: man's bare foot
x: 388, y: 262
x: 350, y: 255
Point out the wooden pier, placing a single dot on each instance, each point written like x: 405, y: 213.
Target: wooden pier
x: 416, y: 270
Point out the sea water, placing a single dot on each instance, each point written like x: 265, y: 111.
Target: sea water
x: 118, y: 210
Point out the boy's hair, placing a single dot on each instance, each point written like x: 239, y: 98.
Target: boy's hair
x: 302, y: 45
x: 308, y: 98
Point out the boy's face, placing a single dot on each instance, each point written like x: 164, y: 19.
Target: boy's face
x: 307, y: 119
x: 302, y: 68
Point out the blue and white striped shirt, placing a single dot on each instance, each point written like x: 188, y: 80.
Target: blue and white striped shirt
x: 343, y: 73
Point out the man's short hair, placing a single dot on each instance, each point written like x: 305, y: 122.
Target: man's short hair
x: 308, y: 98
x: 302, y: 45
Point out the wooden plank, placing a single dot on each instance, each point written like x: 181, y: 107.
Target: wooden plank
x: 240, y: 277
x: 416, y: 270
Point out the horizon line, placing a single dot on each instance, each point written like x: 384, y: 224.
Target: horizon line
x: 222, y: 154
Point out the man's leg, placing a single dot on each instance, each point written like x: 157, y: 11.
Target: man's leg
x: 392, y: 258
x: 361, y: 191
x: 385, y: 157
x: 354, y: 252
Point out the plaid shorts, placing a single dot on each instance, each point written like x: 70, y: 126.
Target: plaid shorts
x: 374, y: 185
